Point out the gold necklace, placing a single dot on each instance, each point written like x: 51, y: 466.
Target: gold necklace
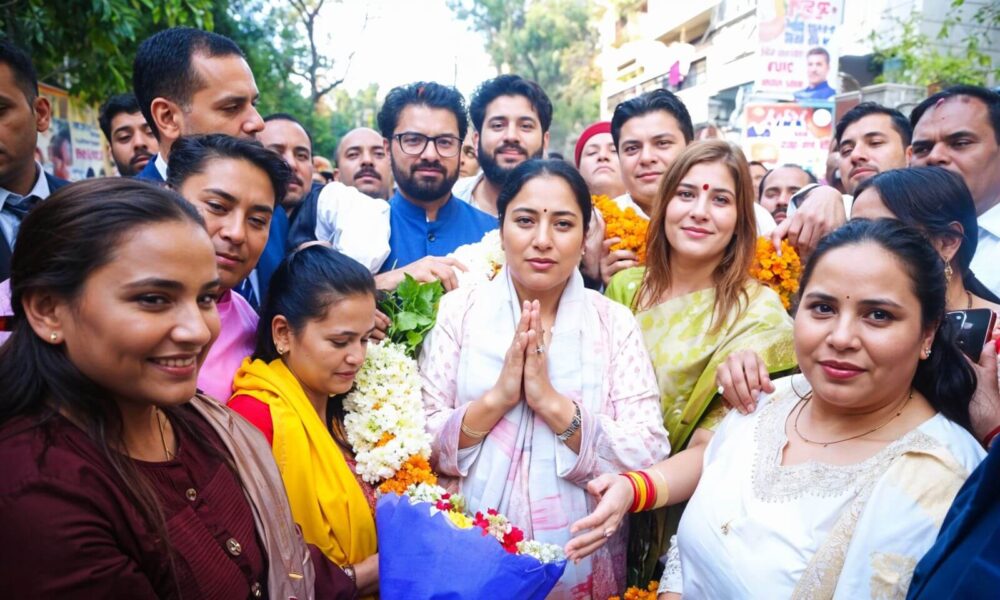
x: 804, y: 401
x: 163, y: 441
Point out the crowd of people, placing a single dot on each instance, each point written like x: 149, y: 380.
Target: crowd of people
x: 178, y: 342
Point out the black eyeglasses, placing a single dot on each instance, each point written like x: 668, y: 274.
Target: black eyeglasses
x: 414, y: 144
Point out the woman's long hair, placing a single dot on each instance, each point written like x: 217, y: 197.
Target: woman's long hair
x: 61, y: 243
x: 932, y: 199
x: 732, y: 274
x: 945, y: 378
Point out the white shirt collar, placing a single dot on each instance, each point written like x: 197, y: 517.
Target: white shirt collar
x: 990, y: 221
x: 161, y: 166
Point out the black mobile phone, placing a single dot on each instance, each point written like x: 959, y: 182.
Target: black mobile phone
x: 974, y: 327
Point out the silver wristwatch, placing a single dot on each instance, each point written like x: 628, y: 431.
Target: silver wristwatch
x: 574, y: 425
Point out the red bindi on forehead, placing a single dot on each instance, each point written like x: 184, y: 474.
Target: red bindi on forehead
x: 705, y: 187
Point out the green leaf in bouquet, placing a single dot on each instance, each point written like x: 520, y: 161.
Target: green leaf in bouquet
x: 414, y: 339
x: 406, y: 321
x: 409, y: 288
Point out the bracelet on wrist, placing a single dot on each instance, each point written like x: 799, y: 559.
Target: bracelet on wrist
x: 574, y: 425
x: 643, y: 491
x: 472, y: 433
x: 990, y: 437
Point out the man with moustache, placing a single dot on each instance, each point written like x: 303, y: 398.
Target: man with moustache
x: 353, y: 223
x: 959, y: 129
x: 778, y: 187
x: 423, y: 125
x: 130, y: 139
x: 511, y: 116
x: 362, y: 163
x: 23, y: 115
x: 192, y: 82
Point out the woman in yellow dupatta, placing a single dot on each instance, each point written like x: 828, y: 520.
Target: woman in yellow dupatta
x: 696, y: 303
x: 311, y: 342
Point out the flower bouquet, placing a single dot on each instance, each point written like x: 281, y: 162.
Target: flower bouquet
x: 625, y: 224
x: 432, y: 549
x: 484, y: 259
x: 779, y: 272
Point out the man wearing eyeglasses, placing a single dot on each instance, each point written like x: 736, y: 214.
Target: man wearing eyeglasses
x: 511, y: 116
x: 423, y: 125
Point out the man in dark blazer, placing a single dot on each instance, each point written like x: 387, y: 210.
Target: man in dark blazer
x: 23, y: 183
x: 190, y: 82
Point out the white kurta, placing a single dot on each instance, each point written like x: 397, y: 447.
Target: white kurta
x: 757, y: 529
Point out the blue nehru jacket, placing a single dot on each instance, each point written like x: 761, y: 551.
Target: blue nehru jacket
x: 414, y: 237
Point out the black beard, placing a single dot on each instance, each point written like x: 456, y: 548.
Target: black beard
x: 492, y: 170
x: 421, y: 191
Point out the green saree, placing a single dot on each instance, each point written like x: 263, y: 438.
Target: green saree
x: 685, y: 357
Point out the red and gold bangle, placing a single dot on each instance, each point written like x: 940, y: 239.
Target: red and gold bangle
x: 650, y: 491
x: 989, y: 437
x: 643, y: 490
x: 635, y: 492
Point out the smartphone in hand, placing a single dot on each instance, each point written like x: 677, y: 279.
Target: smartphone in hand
x: 974, y: 326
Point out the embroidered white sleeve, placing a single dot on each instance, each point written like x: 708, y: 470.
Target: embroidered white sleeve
x: 672, y: 580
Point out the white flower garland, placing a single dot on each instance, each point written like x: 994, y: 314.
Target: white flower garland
x: 483, y: 259
x: 386, y: 402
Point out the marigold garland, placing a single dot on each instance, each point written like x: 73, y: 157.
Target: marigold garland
x: 634, y: 593
x: 416, y: 469
x: 625, y: 224
x: 780, y: 273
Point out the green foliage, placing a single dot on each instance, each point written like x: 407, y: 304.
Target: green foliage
x: 917, y: 58
x: 412, y: 310
x: 88, y: 46
x: 550, y: 41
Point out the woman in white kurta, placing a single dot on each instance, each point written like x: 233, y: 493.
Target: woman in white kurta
x: 583, y: 398
x: 839, y: 483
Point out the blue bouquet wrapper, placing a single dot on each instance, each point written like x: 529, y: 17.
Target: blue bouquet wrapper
x: 424, y: 556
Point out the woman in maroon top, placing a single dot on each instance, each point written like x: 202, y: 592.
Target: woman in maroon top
x: 117, y: 480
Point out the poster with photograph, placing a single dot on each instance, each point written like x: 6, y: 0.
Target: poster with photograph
x: 798, y: 58
x: 73, y: 148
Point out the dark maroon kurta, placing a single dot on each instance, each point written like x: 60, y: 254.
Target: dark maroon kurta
x: 68, y: 530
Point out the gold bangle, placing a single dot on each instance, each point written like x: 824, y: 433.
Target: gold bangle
x: 472, y: 433
x: 662, y: 495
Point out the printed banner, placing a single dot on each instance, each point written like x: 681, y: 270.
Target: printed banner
x: 73, y: 148
x: 797, y: 59
x: 777, y: 134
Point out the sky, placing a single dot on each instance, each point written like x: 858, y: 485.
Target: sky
x: 403, y: 41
